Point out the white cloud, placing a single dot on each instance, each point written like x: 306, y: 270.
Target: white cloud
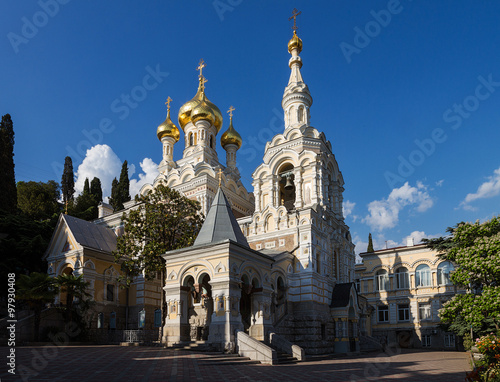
x: 488, y: 189
x: 439, y: 183
x: 347, y: 206
x: 384, y: 213
x: 148, y: 175
x: 100, y: 161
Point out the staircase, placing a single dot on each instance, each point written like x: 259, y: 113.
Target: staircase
x: 218, y: 357
x: 285, y: 358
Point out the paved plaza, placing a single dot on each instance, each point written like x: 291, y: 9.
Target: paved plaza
x: 115, y: 363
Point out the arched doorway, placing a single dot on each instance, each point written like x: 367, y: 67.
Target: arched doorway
x: 351, y: 329
x: 200, y: 306
x: 246, y: 303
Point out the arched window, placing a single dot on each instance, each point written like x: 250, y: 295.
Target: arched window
x: 301, y: 114
x: 382, y: 280
x: 403, y: 281
x: 287, y: 187
x: 444, y: 272
x: 423, y: 275
x: 211, y: 142
x: 190, y: 139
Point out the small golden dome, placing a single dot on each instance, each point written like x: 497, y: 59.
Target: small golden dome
x: 231, y: 136
x: 168, y: 129
x: 186, y: 109
x: 295, y: 43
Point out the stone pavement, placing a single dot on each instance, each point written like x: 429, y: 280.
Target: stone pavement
x: 151, y: 364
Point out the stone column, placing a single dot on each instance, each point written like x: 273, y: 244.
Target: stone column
x: 298, y: 188
x: 176, y: 326
x: 256, y: 187
x: 261, y: 314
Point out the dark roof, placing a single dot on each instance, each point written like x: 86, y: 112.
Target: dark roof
x: 340, y: 295
x: 91, y: 235
x: 220, y: 224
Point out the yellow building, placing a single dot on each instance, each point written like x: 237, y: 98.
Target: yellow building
x: 405, y: 288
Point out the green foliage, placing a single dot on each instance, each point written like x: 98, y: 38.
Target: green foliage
x: 86, y: 187
x: 164, y: 220
x: 474, y: 248
x: 38, y: 200
x: 68, y: 180
x: 370, y: 243
x: 8, y: 196
x: 36, y: 289
x: 85, y: 205
x: 23, y: 242
x: 120, y: 190
x: 96, y: 189
x: 74, y: 287
x: 488, y: 368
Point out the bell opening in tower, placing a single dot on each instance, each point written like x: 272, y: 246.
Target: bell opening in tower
x: 287, y: 187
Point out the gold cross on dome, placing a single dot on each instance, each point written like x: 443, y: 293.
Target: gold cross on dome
x: 200, y: 67
x: 230, y: 111
x: 294, y: 15
x: 168, y: 103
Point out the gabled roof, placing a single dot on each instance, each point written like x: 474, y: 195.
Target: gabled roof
x: 341, y: 294
x: 220, y: 224
x: 91, y: 235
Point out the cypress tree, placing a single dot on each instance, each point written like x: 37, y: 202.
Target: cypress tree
x: 370, y: 243
x: 124, y: 184
x: 96, y: 189
x: 114, y: 199
x: 86, y: 187
x: 8, y: 190
x: 68, y: 181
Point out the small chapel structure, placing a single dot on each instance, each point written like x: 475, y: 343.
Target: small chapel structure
x: 279, y: 259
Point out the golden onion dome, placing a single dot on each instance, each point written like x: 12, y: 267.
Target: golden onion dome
x: 186, y: 109
x: 168, y: 129
x: 295, y: 43
x: 218, y: 115
x: 203, y: 111
x: 231, y: 136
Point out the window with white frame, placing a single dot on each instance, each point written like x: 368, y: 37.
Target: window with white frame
x: 383, y: 313
x: 444, y: 272
x: 382, y: 280
x: 426, y: 340
x: 423, y: 275
x: 449, y: 340
x: 110, y: 292
x: 424, y: 311
x: 402, y: 278
x: 403, y: 312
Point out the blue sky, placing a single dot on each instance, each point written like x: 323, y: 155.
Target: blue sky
x: 406, y: 91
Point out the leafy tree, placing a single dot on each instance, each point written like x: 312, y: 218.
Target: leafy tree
x: 86, y: 187
x: 73, y: 287
x: 475, y: 249
x: 37, y: 290
x: 370, y: 243
x: 8, y: 197
x: 68, y: 181
x: 164, y: 220
x: 38, y: 200
x: 96, y: 189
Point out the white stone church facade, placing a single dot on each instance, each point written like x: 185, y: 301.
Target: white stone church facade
x: 279, y: 259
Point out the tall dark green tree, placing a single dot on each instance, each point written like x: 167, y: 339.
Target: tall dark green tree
x: 86, y: 187
x: 124, y: 183
x: 120, y: 190
x: 115, y: 199
x: 8, y: 191
x: 38, y: 200
x: 68, y: 181
x: 96, y: 189
x: 370, y: 243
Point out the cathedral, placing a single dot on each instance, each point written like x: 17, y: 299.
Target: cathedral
x: 278, y: 260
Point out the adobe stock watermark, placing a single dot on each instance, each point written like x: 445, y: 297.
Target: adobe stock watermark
x: 364, y: 36
x: 455, y: 116
x: 373, y: 370
x: 32, y: 25
x: 223, y: 6
x: 121, y: 108
x: 255, y: 143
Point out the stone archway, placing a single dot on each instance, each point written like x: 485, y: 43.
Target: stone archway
x: 246, y: 303
x: 200, y: 306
